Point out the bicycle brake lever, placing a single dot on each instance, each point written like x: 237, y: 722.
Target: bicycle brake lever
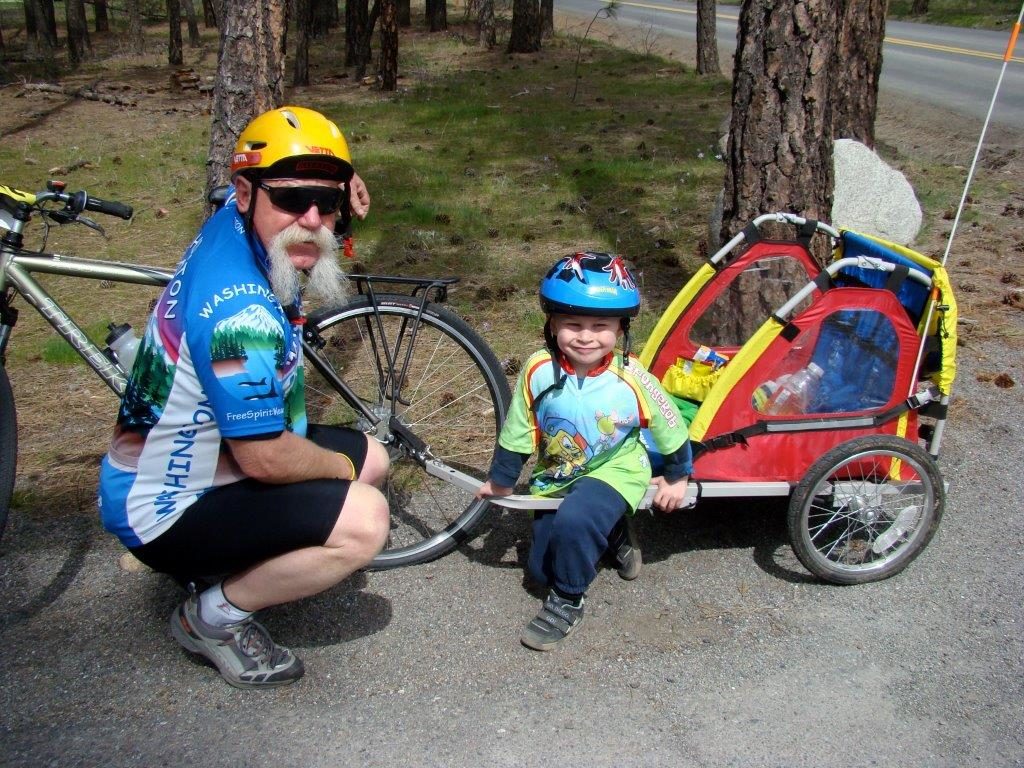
x: 91, y: 224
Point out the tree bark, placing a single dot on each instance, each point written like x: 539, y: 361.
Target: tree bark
x: 707, y: 43
x: 41, y: 37
x: 547, y: 18
x: 780, y: 142
x: 174, y: 54
x: 388, y: 69
x: 357, y: 53
x: 50, y: 19
x: 79, y: 45
x: 437, y: 15
x: 487, y: 34
x: 858, y: 68
x: 194, y: 40
x: 102, y: 22
x: 303, y: 24
x: 32, y: 39
x: 525, y: 34
x: 404, y: 13
x: 250, y: 76
x: 323, y: 17
x: 919, y: 7
x: 136, y: 39
x: 209, y: 14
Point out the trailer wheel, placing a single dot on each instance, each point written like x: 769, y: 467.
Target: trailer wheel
x: 866, y: 509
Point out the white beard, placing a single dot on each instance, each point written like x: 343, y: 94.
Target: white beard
x: 325, y: 280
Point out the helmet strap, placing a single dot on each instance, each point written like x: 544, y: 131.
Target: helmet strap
x: 625, y: 341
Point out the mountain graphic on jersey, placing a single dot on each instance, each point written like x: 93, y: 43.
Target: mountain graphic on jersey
x: 253, y: 331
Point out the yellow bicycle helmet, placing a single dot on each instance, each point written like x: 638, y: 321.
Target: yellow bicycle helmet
x: 292, y: 143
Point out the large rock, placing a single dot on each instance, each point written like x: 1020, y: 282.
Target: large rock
x: 871, y: 196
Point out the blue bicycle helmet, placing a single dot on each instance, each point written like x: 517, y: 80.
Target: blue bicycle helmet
x: 590, y: 283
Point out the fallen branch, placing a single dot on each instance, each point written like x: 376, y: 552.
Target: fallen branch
x: 79, y: 93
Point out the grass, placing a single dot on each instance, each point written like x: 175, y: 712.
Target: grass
x: 984, y: 14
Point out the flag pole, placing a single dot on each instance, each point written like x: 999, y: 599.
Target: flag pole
x: 984, y: 128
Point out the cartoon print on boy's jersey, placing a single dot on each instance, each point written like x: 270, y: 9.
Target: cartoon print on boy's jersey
x: 565, y: 449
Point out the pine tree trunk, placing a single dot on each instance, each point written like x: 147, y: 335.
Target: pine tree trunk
x: 136, y: 39
x: 388, y: 69
x: 79, y: 45
x: 209, y: 14
x: 487, y: 34
x: 858, y: 68
x: 356, y: 42
x: 780, y: 141
x: 707, y: 43
x: 303, y: 24
x: 250, y: 76
x: 174, y: 54
x: 404, y: 13
x: 42, y: 37
x: 547, y: 18
x: 437, y: 15
x: 102, y: 23
x: 50, y: 19
x: 323, y: 16
x: 194, y: 40
x: 525, y: 34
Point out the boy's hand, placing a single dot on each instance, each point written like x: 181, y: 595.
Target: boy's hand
x: 670, y: 496
x: 492, y: 489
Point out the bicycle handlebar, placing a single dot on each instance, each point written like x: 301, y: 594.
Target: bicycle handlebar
x: 82, y: 201
x: 74, y: 202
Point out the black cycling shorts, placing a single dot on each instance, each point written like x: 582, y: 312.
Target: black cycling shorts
x: 240, y: 524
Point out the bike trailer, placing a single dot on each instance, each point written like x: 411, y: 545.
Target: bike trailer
x: 879, y: 324
x: 862, y: 320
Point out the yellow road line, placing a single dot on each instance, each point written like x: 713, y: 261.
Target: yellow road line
x: 891, y: 40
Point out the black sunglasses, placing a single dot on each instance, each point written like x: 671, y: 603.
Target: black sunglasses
x: 299, y: 199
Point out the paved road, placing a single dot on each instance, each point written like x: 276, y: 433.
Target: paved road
x: 944, y: 66
x: 723, y: 652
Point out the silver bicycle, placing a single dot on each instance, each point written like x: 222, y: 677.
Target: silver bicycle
x: 391, y: 362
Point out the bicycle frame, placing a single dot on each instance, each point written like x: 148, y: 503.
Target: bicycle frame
x: 16, y: 270
x: 16, y: 274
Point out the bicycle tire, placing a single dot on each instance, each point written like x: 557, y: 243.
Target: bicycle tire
x: 8, y: 447
x: 866, y: 509
x: 456, y: 398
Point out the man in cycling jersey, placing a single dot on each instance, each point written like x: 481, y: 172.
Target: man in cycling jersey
x: 213, y: 475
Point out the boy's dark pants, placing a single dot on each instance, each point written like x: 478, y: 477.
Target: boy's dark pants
x: 569, y: 542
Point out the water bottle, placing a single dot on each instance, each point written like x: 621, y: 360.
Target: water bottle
x: 763, y: 394
x: 795, y: 394
x: 123, y: 344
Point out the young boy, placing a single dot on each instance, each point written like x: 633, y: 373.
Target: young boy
x: 580, y: 407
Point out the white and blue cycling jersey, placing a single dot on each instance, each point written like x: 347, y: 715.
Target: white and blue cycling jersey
x: 219, y: 359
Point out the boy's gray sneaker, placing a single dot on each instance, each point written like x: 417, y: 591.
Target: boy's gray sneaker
x: 627, y: 550
x: 243, y: 652
x: 558, y: 618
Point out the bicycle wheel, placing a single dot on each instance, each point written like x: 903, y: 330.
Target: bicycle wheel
x: 454, y: 397
x: 865, y: 509
x: 8, y: 446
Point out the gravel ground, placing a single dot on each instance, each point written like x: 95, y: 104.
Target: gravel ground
x: 723, y: 653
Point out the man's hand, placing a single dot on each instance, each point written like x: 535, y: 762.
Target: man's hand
x: 670, y: 496
x: 359, y: 197
x: 489, y: 489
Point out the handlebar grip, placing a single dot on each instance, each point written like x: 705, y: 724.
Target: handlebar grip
x: 109, y: 207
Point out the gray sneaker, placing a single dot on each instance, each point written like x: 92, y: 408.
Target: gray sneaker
x: 243, y: 652
x: 558, y: 618
x: 626, y: 548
